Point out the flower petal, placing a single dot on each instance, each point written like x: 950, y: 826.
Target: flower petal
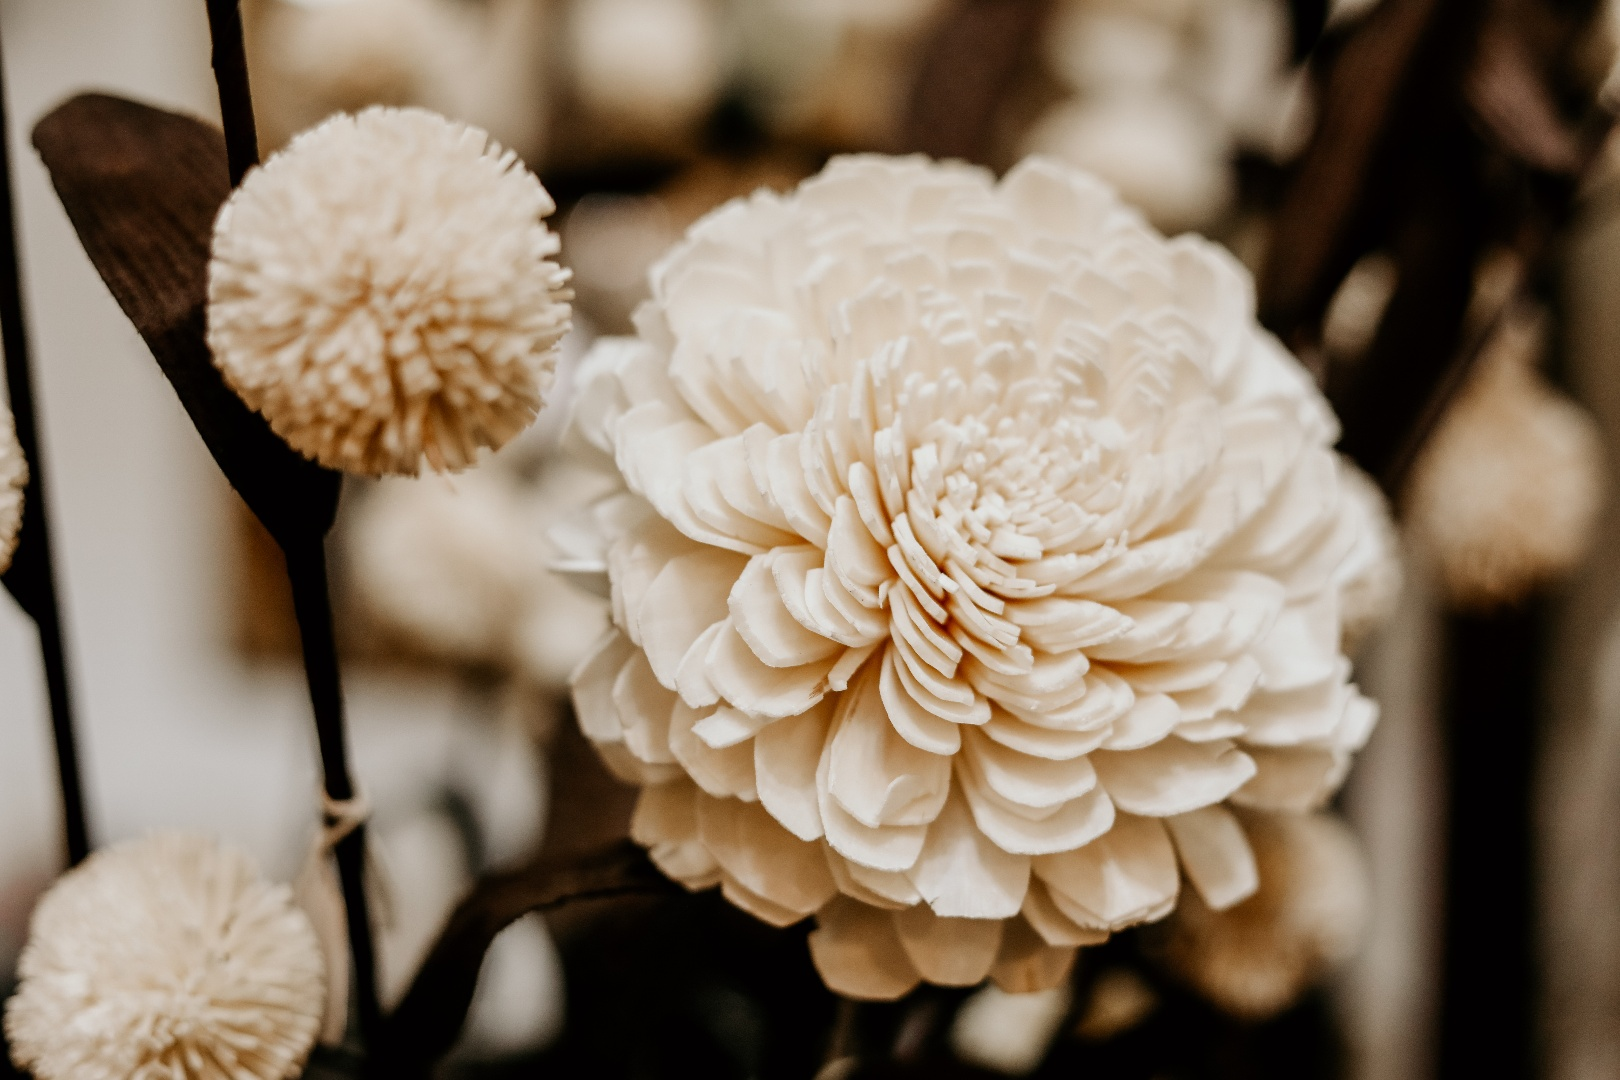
x: 962, y: 873
x: 878, y: 777
x: 1216, y: 855
x: 1173, y: 775
x: 1126, y: 876
x: 786, y: 754
x: 946, y: 951
x: 858, y: 952
x: 763, y: 857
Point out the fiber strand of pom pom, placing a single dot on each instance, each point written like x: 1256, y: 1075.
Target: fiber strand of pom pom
x: 231, y: 76
x: 31, y: 577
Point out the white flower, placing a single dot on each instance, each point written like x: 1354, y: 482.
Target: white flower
x: 1506, y: 493
x: 13, y: 481
x: 1255, y: 959
x: 382, y: 290
x: 1162, y: 153
x: 166, y: 958
x: 458, y: 567
x: 975, y: 547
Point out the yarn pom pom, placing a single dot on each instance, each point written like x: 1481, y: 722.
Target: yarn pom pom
x: 13, y: 479
x: 166, y: 958
x: 383, y: 291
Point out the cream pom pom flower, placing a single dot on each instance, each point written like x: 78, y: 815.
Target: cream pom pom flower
x: 166, y: 958
x: 13, y: 481
x: 382, y: 291
x: 975, y: 547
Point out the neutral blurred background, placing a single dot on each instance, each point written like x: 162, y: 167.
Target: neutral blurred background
x: 641, y: 115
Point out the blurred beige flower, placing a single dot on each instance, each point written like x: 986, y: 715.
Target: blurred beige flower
x: 1505, y: 495
x: 13, y: 481
x: 383, y: 291
x: 1255, y: 959
x: 975, y: 546
x: 167, y: 958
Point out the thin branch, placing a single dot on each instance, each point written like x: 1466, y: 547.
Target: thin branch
x: 31, y: 577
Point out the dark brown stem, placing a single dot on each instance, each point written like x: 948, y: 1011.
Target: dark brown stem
x: 32, y: 576
x: 231, y: 76
x: 430, y: 1016
x: 306, y: 570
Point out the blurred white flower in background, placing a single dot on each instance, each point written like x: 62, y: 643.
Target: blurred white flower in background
x: 1505, y: 494
x: 1164, y: 94
x: 975, y: 546
x: 481, y: 63
x: 653, y: 67
x: 1256, y: 958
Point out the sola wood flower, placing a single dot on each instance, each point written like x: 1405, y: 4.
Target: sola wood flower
x: 975, y: 547
x: 382, y: 291
x: 166, y: 958
x: 13, y: 479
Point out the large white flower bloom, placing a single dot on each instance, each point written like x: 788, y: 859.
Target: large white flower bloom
x: 167, y: 958
x: 975, y: 547
x: 383, y: 291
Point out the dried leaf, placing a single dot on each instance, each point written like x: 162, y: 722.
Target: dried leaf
x: 142, y: 187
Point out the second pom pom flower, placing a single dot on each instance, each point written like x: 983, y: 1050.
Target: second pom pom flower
x: 383, y: 291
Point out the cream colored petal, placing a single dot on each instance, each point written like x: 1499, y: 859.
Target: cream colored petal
x: 723, y: 773
x: 1172, y: 776
x: 914, y: 723
x: 1303, y: 646
x: 790, y: 493
x: 1151, y: 718
x: 852, y: 553
x: 692, y: 677
x: 1127, y: 876
x: 786, y: 754
x: 1026, y: 831
x: 892, y: 847
x: 653, y: 445
x: 665, y: 822
x: 1292, y: 779
x: 644, y: 709
x: 962, y: 873
x: 764, y: 621
x: 702, y: 490
x: 763, y: 857
x: 683, y: 600
x: 1028, y: 780
x: 1054, y: 927
x: 1216, y: 855
x: 634, y: 560
x: 1055, y: 744
x: 1230, y: 690
x: 858, y: 953
x: 946, y: 951
x: 761, y: 908
x: 1061, y: 624
x: 746, y: 682
x: 878, y: 777
x: 797, y: 572
x: 592, y: 683
x: 1027, y: 964
x: 888, y: 890
x: 726, y: 726
x: 1291, y: 717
